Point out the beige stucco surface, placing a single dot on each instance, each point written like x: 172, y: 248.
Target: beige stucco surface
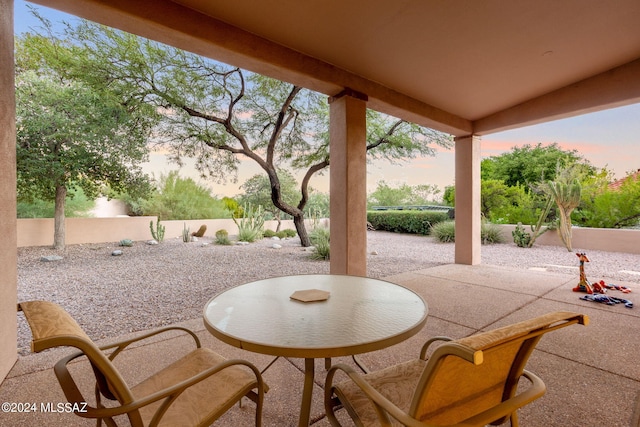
x: 8, y: 257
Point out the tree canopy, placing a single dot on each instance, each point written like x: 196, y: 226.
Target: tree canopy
x: 530, y: 165
x: 70, y: 133
x: 403, y: 194
x: 216, y: 113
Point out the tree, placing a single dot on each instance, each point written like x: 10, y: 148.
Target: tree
x: 182, y: 198
x: 531, y: 165
x: 606, y: 207
x: 70, y: 134
x: 402, y: 195
x: 217, y: 113
x: 257, y: 192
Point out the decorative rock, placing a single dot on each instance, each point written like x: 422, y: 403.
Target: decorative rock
x: 276, y: 246
x: 194, y: 239
x: 152, y: 242
x: 50, y: 258
x: 374, y: 253
x: 241, y: 243
x: 275, y: 238
x: 117, y: 252
x: 203, y: 244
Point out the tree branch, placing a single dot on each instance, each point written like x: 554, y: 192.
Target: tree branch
x: 281, y: 123
x: 384, y: 139
x: 621, y: 222
x: 304, y: 186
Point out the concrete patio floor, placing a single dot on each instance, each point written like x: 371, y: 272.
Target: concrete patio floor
x: 592, y: 373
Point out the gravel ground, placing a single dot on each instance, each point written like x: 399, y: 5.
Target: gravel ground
x: 149, y: 286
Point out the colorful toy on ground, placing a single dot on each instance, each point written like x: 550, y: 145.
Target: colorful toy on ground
x: 583, y: 285
x: 596, y: 291
x: 622, y: 289
x: 605, y: 299
x: 599, y: 287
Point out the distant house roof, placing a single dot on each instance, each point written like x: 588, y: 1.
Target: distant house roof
x: 615, y: 185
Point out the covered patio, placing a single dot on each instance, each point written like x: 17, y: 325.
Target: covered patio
x: 591, y: 372
x: 462, y: 67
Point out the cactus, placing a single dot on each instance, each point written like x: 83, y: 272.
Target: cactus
x: 200, y: 232
x: 126, y: 242
x: 539, y: 228
x: 567, y: 195
x: 186, y: 237
x: 520, y: 237
x: 158, y: 232
x: 251, y: 226
x: 222, y: 237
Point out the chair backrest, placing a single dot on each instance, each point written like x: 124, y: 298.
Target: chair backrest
x: 468, y: 376
x: 51, y: 326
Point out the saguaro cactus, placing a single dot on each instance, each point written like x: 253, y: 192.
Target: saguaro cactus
x: 567, y: 198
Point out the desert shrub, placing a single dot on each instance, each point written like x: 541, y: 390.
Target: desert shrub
x: 320, y: 240
x: 490, y: 233
x: 222, y: 237
x: 444, y: 231
x: 409, y: 221
x: 269, y: 233
x: 288, y: 232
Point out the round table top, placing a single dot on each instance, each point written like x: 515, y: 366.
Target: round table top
x: 360, y: 315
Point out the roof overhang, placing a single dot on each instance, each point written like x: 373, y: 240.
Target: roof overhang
x: 460, y: 66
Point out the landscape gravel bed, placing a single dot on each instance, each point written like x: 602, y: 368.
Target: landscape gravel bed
x: 153, y: 285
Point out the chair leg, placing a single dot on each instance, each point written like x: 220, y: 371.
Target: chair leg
x: 514, y: 420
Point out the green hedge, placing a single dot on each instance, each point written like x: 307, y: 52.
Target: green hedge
x: 415, y: 222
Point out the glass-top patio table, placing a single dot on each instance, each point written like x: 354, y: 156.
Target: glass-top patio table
x: 359, y: 315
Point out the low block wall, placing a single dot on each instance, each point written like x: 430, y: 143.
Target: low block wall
x: 601, y: 239
x: 39, y: 231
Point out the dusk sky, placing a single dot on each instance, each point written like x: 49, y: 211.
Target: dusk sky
x: 609, y: 138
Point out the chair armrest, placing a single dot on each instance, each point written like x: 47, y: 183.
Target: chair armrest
x: 509, y: 406
x: 121, y: 345
x: 506, y: 408
x: 425, y: 347
x: 383, y: 405
x: 74, y: 395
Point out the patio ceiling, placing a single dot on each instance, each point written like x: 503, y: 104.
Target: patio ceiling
x: 460, y: 66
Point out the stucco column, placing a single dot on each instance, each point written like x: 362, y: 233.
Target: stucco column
x: 467, y: 176
x: 8, y: 222
x: 348, y: 183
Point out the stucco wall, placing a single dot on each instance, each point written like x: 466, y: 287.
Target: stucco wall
x: 601, y: 239
x: 39, y: 231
